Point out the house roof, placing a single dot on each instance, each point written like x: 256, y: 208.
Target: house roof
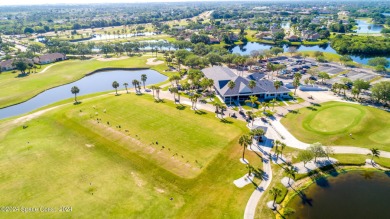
x: 49, y: 57
x: 222, y: 75
x: 8, y: 63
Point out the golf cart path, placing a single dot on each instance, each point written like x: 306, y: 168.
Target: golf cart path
x: 251, y: 205
x: 47, y: 68
x: 291, y: 141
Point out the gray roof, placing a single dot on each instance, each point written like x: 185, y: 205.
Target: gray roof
x: 222, y: 75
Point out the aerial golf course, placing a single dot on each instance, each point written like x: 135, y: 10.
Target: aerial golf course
x: 107, y: 157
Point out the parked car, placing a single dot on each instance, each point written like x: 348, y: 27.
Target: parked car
x: 306, y: 66
x: 349, y: 84
x: 313, y: 78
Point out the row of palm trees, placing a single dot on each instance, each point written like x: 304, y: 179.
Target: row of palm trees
x: 136, y: 84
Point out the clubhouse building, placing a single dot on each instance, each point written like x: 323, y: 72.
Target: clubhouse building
x: 264, y: 88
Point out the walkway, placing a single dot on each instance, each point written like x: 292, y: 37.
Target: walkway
x: 250, y: 208
x: 291, y: 141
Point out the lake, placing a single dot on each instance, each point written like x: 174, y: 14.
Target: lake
x: 245, y: 49
x: 98, y: 82
x: 355, y: 194
x: 363, y: 27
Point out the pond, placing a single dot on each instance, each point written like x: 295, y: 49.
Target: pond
x: 355, y: 194
x: 245, y: 49
x: 98, y: 82
x: 120, y: 36
x: 364, y: 27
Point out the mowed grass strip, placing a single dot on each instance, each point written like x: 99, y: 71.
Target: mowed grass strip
x: 63, y: 160
x: 173, y: 138
x: 332, y: 122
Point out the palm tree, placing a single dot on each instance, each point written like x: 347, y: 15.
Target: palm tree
x: 126, y: 84
x: 157, y: 92
x: 264, y: 105
x: 251, y: 116
x: 282, y: 147
x: 194, y: 99
x: 75, y: 90
x: 253, y: 100
x: 115, y: 85
x: 273, y: 101
x: 135, y: 83
x: 153, y: 88
x: 174, y: 91
x: 244, y: 141
x: 231, y: 86
x: 251, y: 85
x: 217, y: 107
x: 275, y: 192
x: 256, y: 134
x: 277, y: 151
x: 143, y: 79
x: 277, y: 85
x: 297, y: 78
x: 374, y: 153
x: 290, y: 171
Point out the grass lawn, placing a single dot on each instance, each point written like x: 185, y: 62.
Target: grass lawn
x: 17, y: 89
x: 66, y: 158
x: 332, y: 122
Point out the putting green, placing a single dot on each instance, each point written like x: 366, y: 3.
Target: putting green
x: 334, y: 119
x: 332, y: 123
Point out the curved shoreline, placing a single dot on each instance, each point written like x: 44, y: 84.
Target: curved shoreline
x: 305, y: 185
x: 85, y: 75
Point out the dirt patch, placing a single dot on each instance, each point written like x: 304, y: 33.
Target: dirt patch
x: 111, y: 59
x: 154, y: 61
x: 139, y: 182
x: 89, y: 145
x: 159, y: 190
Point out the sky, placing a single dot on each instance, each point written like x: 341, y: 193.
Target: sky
x: 30, y: 2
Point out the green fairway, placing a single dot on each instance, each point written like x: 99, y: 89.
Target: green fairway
x: 17, y: 89
x: 332, y: 122
x: 115, y: 168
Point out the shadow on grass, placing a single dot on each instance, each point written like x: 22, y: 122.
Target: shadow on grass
x: 315, y: 104
x: 22, y: 75
x: 77, y: 103
x: 181, y: 107
x: 226, y: 121
x: 311, y: 108
x: 159, y: 101
x: 200, y: 112
x: 293, y: 111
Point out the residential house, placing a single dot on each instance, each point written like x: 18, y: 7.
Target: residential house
x: 343, y: 13
x: 264, y: 88
x: 266, y: 35
x: 49, y: 58
x: 293, y: 38
x: 8, y: 65
x: 310, y: 35
x: 214, y: 40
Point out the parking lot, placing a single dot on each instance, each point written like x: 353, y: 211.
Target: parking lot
x: 331, y: 70
x: 353, y: 75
